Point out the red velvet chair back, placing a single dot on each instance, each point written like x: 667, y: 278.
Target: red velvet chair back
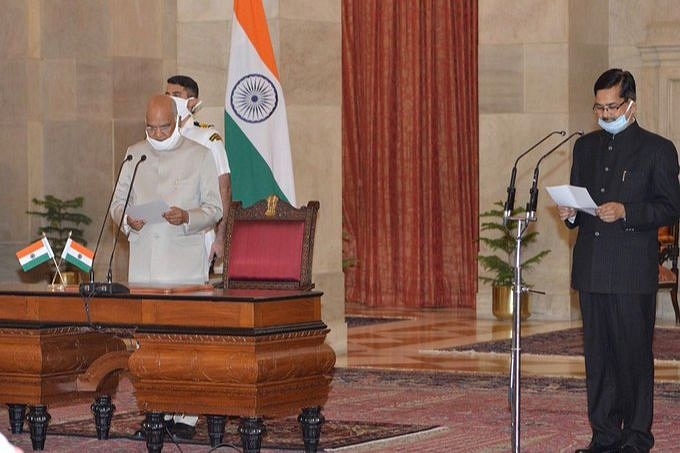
x: 270, y: 245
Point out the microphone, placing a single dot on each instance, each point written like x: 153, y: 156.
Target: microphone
x: 510, y: 202
x: 109, y: 287
x: 128, y: 158
x: 533, y: 192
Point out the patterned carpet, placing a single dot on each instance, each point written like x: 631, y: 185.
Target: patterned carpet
x: 471, y: 411
x: 569, y: 342
x: 282, y: 434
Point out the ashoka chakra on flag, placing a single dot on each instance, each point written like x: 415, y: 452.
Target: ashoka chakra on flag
x: 254, y: 98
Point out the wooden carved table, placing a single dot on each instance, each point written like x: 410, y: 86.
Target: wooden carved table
x: 250, y: 353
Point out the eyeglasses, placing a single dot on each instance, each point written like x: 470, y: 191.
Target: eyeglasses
x: 164, y: 129
x: 599, y: 108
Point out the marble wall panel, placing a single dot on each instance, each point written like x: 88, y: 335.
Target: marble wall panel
x: 14, y: 92
x: 94, y: 88
x: 13, y: 198
x: 138, y: 28
x: 32, y: 90
x: 34, y: 29
x: 586, y: 63
x: 126, y: 132
x: 58, y: 89
x: 501, y: 78
x: 204, y: 10
x: 203, y: 45
x: 13, y: 38
x: 169, y: 30
x: 589, y: 22
x: 75, y: 28
x: 523, y: 21
x: 135, y: 80
x: 546, y: 77
x: 312, y: 10
x: 309, y: 65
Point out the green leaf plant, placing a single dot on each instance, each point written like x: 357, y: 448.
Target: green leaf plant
x: 500, y: 241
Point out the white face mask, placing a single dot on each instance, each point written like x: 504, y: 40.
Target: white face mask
x: 182, y: 108
x: 167, y: 144
x: 616, y: 126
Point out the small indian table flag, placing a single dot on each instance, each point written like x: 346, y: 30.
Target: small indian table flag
x: 78, y: 255
x: 35, y: 254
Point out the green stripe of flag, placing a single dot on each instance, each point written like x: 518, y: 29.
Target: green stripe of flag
x: 35, y: 262
x: 77, y: 263
x: 251, y: 178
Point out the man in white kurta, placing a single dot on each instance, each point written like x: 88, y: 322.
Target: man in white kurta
x: 184, y: 91
x: 168, y: 250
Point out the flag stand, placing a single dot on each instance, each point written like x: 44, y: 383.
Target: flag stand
x: 57, y: 286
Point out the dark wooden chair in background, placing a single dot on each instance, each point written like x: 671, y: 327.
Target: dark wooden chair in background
x: 270, y: 245
x: 668, y: 264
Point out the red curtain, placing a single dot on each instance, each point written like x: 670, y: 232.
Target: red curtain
x: 410, y: 152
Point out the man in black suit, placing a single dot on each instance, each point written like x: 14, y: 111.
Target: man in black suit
x: 632, y: 175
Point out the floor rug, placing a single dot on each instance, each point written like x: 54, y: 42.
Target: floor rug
x: 283, y: 434
x: 569, y: 342
x: 471, y: 411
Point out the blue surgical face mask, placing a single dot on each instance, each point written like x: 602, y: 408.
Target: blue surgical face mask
x: 616, y: 126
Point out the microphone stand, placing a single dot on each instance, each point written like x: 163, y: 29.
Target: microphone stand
x: 106, y: 215
x: 109, y: 287
x: 515, y: 364
x: 517, y: 290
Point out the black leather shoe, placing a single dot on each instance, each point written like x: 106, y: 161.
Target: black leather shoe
x: 183, y: 431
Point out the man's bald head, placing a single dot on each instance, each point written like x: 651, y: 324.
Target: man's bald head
x: 161, y: 117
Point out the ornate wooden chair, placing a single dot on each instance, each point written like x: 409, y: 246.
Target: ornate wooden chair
x: 668, y: 264
x: 269, y: 245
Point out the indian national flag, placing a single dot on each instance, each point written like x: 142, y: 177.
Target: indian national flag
x: 255, y: 121
x: 77, y: 255
x: 35, y: 254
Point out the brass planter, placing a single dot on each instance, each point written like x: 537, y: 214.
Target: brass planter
x: 502, y: 303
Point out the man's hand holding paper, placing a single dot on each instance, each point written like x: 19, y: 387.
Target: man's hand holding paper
x: 151, y: 212
x: 573, y: 197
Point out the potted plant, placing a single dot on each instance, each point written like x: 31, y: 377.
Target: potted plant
x: 62, y: 217
x: 500, y: 264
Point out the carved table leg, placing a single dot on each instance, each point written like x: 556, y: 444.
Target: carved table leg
x: 38, y: 419
x: 17, y: 414
x: 103, y: 410
x: 216, y: 424
x: 311, y: 420
x: 154, y: 429
x: 251, y: 431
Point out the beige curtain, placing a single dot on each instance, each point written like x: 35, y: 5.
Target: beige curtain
x: 410, y: 152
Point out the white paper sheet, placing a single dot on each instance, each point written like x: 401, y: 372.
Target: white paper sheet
x: 149, y: 212
x: 573, y: 197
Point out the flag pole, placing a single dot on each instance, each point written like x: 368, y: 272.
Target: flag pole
x: 54, y: 260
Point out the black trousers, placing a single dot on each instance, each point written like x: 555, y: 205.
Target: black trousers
x: 618, y: 332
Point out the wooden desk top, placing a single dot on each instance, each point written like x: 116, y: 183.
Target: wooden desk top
x: 199, y: 310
